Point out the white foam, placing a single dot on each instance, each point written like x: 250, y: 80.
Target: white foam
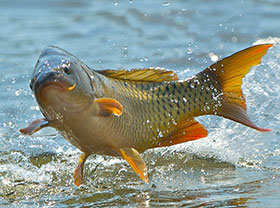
x: 272, y: 40
x: 16, y: 173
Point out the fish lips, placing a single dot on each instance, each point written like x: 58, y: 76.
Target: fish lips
x: 49, y: 79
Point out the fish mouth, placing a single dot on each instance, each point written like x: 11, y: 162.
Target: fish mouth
x: 50, y: 81
x: 42, y: 91
x: 54, y: 91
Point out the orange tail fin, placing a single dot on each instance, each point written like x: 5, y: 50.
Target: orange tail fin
x: 230, y: 72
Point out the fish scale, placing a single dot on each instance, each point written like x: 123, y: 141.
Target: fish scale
x: 158, y: 98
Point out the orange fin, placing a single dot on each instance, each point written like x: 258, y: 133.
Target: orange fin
x: 232, y: 69
x: 229, y: 72
x: 134, y: 159
x: 237, y: 113
x: 78, y: 173
x: 141, y: 75
x: 109, y: 106
x: 34, y: 126
x: 184, y: 131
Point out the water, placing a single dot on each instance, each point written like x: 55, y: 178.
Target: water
x: 233, y: 167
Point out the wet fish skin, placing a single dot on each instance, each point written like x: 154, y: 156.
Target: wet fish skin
x: 51, y: 71
x: 153, y: 108
x: 123, y: 113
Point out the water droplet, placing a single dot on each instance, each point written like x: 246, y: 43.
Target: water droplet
x: 165, y: 4
x: 234, y: 39
x: 125, y: 47
x: 213, y: 57
x: 35, y: 107
x: 236, y: 189
x: 116, y: 3
x: 17, y: 93
x: 196, y: 81
x: 214, y: 97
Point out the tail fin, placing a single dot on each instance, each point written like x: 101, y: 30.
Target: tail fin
x: 230, y: 72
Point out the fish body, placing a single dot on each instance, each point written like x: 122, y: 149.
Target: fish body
x: 153, y: 109
x: 123, y: 113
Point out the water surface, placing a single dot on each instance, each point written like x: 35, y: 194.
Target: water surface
x: 233, y: 167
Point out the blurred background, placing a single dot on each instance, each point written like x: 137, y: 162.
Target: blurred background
x: 233, y: 167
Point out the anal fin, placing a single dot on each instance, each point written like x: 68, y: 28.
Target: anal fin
x: 78, y: 173
x: 184, y: 131
x: 136, y: 162
x: 34, y: 126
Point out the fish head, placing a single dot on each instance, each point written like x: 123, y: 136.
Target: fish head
x: 61, y: 83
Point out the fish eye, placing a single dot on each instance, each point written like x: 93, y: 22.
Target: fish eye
x: 66, y: 69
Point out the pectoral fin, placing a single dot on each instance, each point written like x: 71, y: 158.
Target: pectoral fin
x: 78, y: 173
x: 34, y: 126
x: 134, y: 159
x: 109, y: 106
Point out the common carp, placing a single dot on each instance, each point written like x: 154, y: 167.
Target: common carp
x: 125, y: 112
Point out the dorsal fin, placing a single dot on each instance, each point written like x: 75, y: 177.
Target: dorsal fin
x: 141, y: 75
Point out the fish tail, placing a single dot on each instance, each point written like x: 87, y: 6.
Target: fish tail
x: 229, y: 73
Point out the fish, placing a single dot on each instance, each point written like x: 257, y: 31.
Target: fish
x: 122, y: 113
